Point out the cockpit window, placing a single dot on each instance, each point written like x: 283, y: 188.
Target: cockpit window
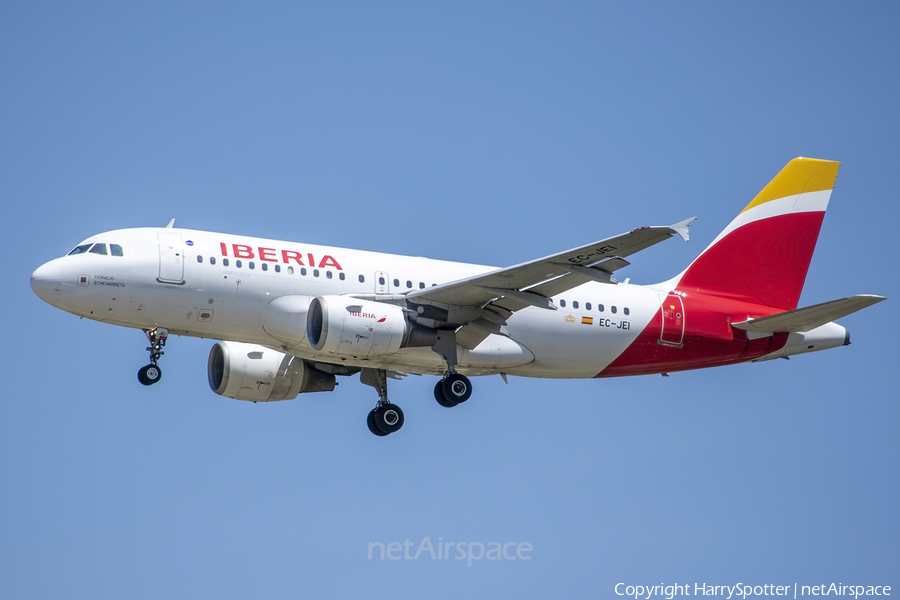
x: 80, y: 249
x: 116, y: 250
x: 98, y: 249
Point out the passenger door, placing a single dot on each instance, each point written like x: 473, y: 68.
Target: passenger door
x: 672, y: 332
x: 171, y: 259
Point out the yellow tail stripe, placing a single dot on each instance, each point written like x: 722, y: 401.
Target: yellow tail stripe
x: 798, y: 176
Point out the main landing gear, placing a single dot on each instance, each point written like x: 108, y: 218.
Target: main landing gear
x: 151, y: 373
x: 385, y: 418
x: 453, y: 389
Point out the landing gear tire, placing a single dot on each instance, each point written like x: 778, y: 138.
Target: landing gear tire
x: 370, y: 421
x: 439, y: 395
x: 150, y: 374
x: 388, y: 418
x: 457, y: 388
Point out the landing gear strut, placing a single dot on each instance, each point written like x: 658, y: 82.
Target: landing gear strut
x: 151, y: 373
x: 385, y: 418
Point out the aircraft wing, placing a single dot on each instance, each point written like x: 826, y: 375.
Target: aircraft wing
x: 521, y: 282
x: 486, y: 300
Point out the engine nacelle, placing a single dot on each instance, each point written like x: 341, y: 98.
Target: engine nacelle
x: 258, y: 374
x: 344, y: 326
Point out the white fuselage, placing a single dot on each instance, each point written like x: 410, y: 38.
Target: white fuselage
x: 167, y: 278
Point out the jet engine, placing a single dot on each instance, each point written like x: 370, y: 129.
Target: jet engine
x: 349, y: 327
x: 258, y: 374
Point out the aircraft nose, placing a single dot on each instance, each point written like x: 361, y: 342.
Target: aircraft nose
x: 46, y: 282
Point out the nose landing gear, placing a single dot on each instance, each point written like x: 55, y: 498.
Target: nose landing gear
x: 151, y: 373
x: 385, y: 418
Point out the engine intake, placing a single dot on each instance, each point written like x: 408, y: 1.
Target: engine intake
x: 258, y: 374
x: 356, y: 328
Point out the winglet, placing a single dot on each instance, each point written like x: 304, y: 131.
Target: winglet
x: 171, y: 224
x: 681, y: 228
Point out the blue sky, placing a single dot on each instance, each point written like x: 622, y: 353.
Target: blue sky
x: 491, y: 133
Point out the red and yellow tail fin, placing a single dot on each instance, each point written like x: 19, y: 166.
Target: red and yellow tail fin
x: 764, y: 254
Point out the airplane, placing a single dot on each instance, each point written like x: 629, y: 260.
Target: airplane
x: 294, y: 317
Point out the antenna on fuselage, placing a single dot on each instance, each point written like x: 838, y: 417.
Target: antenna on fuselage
x: 171, y: 224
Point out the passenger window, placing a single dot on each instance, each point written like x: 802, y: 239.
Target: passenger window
x: 587, y: 306
x: 342, y: 276
x: 362, y: 279
x: 600, y: 308
x: 612, y: 309
x: 237, y: 263
x: 396, y: 283
x: 290, y: 270
x: 80, y: 249
x: 264, y: 266
x: 99, y: 249
x: 328, y: 274
x: 409, y: 284
x: 212, y: 260
x: 278, y: 268
x: 251, y: 265
x: 575, y: 304
x: 224, y: 262
x: 381, y: 281
x: 421, y: 285
x: 562, y: 303
x: 303, y: 271
x: 315, y: 272
x: 626, y: 311
x: 116, y: 250
x: 199, y: 259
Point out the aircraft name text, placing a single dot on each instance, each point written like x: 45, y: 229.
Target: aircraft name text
x: 275, y: 255
x: 107, y: 280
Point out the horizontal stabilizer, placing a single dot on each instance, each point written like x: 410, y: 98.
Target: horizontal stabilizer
x: 801, y: 320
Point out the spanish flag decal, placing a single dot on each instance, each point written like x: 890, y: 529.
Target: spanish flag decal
x: 587, y: 320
